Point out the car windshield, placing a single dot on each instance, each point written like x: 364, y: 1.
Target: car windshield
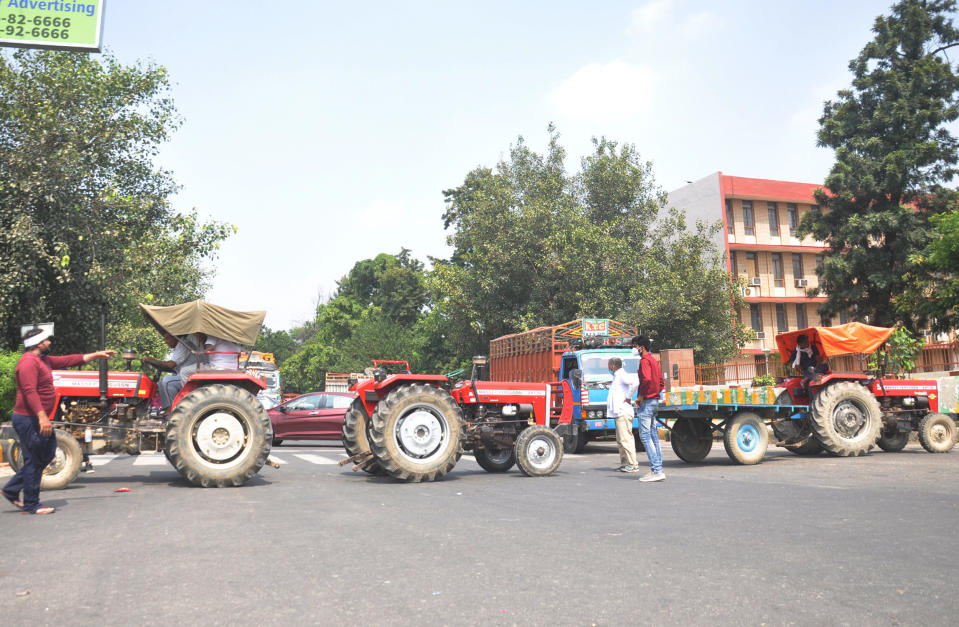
x: 597, y: 364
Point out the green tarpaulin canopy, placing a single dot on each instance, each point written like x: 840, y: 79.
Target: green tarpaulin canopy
x: 200, y: 316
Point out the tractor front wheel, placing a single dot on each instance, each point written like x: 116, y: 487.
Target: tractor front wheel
x: 937, y: 433
x: 892, y: 442
x: 417, y: 433
x: 539, y: 451
x: 218, y: 435
x: 492, y: 459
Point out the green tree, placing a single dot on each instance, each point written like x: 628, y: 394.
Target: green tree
x: 534, y: 245
x: 375, y: 313
x: 85, y: 218
x: 894, y: 152
x: 280, y: 343
x: 932, y: 285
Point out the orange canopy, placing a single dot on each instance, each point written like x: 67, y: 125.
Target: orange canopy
x: 852, y: 337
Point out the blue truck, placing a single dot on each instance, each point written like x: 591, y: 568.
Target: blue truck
x: 578, y: 352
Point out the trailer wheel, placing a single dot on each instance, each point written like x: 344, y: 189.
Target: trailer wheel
x: 846, y: 419
x: 495, y: 459
x: 355, y: 440
x: 417, y: 433
x: 539, y: 451
x: 575, y: 443
x: 937, y: 433
x: 65, y: 466
x: 892, y: 442
x: 746, y: 438
x: 218, y: 435
x: 691, y: 439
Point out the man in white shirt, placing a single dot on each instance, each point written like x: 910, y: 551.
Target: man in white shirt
x: 619, y: 406
x: 224, y: 354
x: 181, y: 360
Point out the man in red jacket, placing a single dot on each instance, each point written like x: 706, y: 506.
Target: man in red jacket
x: 31, y: 416
x: 647, y: 399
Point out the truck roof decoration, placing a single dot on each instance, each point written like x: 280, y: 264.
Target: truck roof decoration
x: 200, y: 316
x: 852, y: 337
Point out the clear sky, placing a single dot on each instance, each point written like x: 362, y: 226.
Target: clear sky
x: 326, y: 132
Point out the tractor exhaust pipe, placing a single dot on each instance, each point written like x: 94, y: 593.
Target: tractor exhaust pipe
x: 103, y: 362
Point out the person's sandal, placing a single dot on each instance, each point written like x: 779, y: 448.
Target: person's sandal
x: 13, y: 501
x: 42, y: 510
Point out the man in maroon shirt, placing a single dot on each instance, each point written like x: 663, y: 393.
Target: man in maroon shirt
x: 31, y: 416
x: 647, y: 399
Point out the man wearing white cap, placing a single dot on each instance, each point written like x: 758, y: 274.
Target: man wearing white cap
x: 35, y: 402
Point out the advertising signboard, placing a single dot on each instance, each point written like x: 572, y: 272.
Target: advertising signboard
x: 52, y: 24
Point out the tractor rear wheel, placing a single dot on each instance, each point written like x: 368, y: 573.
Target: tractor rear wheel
x: 937, y: 433
x: 892, y: 442
x: 492, y: 459
x: 355, y: 440
x: 797, y: 434
x: 218, y: 435
x: 539, y: 451
x: 417, y: 433
x: 691, y: 439
x: 846, y: 419
x: 65, y: 466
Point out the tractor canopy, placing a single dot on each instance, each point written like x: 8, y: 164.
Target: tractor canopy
x: 852, y: 337
x: 200, y: 316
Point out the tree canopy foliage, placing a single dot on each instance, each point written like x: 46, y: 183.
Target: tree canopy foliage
x: 85, y: 215
x: 894, y: 155
x: 535, y: 245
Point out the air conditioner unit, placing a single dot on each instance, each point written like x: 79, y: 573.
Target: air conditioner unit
x: 750, y: 292
x: 760, y: 335
x: 802, y: 282
x: 756, y: 280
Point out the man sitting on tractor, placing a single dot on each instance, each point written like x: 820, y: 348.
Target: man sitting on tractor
x: 806, y: 359
x: 181, y: 360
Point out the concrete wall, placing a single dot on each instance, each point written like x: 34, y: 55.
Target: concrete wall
x: 702, y: 200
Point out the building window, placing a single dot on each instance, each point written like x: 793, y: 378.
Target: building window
x: 773, y: 209
x: 754, y: 318
x: 730, y: 219
x: 819, y: 265
x: 733, y: 266
x: 752, y: 265
x: 781, y: 324
x: 797, y: 266
x: 778, y: 270
x: 825, y: 321
x: 748, y: 224
x: 843, y: 317
x: 801, y: 316
x: 793, y: 212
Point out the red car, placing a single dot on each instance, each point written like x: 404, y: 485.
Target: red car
x: 312, y: 416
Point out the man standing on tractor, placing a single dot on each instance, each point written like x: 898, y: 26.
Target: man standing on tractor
x: 650, y: 385
x: 35, y: 402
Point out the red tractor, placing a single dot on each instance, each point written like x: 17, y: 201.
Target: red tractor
x: 415, y: 427
x: 850, y: 413
x: 215, y: 434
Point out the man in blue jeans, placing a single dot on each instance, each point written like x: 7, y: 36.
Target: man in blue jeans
x: 647, y: 399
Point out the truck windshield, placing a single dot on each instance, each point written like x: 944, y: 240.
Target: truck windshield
x: 598, y: 363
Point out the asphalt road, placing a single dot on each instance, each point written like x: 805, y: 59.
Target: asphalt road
x: 864, y: 541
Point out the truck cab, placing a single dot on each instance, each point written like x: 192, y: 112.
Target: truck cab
x: 587, y: 372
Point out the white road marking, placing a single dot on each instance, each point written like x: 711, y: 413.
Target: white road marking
x: 315, y: 459
x: 150, y: 460
x: 100, y: 460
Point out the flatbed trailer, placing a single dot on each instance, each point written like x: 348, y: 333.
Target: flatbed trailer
x: 740, y: 415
